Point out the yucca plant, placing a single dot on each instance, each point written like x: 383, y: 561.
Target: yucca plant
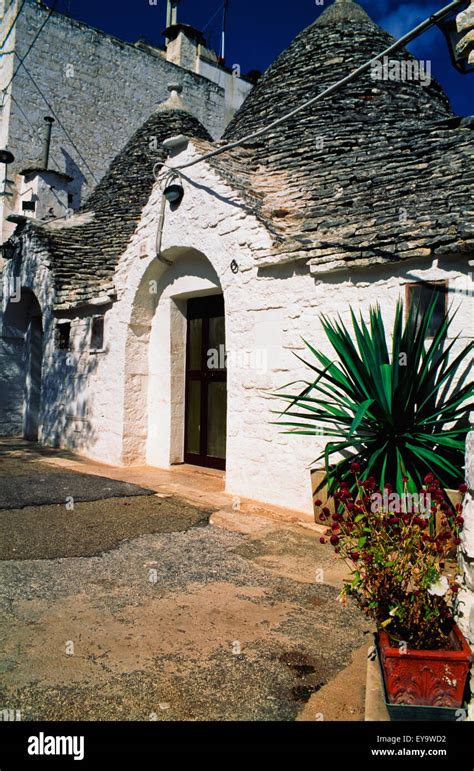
x: 395, y: 415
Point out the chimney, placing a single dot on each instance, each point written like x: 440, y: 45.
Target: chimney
x: 171, y: 13
x: 47, y: 142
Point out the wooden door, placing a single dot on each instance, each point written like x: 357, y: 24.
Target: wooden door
x: 206, y: 383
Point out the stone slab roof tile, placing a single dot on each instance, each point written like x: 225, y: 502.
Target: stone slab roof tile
x: 84, y: 257
x: 355, y: 176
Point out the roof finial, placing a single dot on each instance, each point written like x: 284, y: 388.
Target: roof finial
x: 343, y: 11
x: 174, y: 101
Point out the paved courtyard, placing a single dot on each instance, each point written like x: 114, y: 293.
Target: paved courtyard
x: 137, y: 604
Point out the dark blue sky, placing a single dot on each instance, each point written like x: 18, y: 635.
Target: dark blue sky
x: 258, y: 30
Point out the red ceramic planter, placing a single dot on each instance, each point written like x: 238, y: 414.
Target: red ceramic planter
x: 429, y: 678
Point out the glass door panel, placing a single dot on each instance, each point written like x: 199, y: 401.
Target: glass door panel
x: 206, y: 383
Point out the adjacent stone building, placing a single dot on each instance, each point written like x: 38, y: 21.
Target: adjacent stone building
x: 98, y: 89
x: 110, y: 317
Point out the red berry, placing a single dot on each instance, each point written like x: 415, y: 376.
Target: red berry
x: 429, y: 479
x: 318, y: 502
x: 355, y: 556
x: 455, y: 588
x: 355, y: 467
x: 463, y: 488
x: 334, y: 540
x: 322, y: 540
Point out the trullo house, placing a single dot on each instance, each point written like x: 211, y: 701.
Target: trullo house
x: 365, y: 197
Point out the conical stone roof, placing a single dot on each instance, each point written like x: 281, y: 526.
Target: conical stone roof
x: 84, y: 257
x: 376, y: 172
x: 339, y: 41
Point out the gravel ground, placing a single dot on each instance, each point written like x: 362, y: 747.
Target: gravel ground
x: 169, y: 626
x: 129, y: 605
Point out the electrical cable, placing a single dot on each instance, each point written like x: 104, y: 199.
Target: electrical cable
x: 213, y: 17
x: 13, y: 24
x: 35, y: 132
x: 54, y: 114
x: 427, y: 24
x: 164, y: 182
x: 22, y: 64
x: 22, y: 59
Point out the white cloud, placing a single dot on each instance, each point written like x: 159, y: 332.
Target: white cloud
x: 400, y: 21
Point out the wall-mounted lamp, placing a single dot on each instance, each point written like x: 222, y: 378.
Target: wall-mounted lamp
x: 8, y: 250
x: 459, y: 53
x: 174, y: 193
x: 6, y: 157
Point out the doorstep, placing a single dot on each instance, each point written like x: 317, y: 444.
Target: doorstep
x: 198, y: 485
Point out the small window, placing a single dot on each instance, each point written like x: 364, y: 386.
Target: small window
x: 422, y: 295
x: 97, y: 333
x: 28, y: 205
x: 63, y: 336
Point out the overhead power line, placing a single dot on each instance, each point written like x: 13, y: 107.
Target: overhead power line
x: 60, y: 123
x: 13, y: 24
x: 414, y: 33
x: 35, y: 132
x: 213, y: 17
x: 22, y: 59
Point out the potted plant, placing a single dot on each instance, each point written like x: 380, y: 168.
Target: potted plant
x: 395, y: 412
x: 400, y: 578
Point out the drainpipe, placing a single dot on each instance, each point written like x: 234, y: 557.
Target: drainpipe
x: 47, y: 142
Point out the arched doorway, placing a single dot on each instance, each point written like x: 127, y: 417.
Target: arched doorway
x: 22, y: 341
x: 170, y: 393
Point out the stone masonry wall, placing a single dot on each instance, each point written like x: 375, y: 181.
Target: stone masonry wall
x: 99, y: 88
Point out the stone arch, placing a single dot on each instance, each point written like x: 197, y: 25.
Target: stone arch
x: 153, y: 426
x: 21, y: 355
